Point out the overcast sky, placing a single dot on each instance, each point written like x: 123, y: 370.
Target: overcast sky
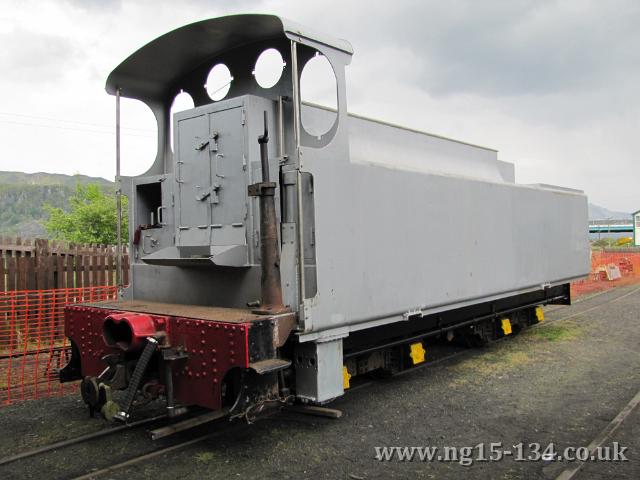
x: 554, y: 86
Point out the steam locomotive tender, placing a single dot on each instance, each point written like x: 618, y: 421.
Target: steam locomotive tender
x: 270, y: 263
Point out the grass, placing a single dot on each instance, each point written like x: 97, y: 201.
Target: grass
x: 511, y: 356
x: 490, y: 362
x: 204, y: 457
x: 556, y: 333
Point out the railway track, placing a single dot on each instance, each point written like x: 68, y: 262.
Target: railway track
x: 222, y: 427
x: 46, y: 350
x: 79, y: 439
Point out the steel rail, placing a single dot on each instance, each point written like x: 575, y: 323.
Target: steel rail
x: 604, y: 435
x: 33, y: 352
x: 78, y: 439
x: 152, y: 454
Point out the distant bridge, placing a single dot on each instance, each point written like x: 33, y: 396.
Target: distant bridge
x: 611, y: 226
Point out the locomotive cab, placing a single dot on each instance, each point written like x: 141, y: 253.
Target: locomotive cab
x: 216, y: 288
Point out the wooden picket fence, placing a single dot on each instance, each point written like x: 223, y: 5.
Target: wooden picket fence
x: 41, y: 264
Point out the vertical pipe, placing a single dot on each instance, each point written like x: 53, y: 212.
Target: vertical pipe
x: 168, y: 385
x: 295, y: 82
x: 296, y: 131
x: 281, y: 150
x: 269, y: 249
x: 118, y: 197
x: 263, y: 141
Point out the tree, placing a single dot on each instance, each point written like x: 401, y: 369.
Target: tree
x: 92, y: 217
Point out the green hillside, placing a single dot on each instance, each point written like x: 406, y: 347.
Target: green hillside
x: 23, y: 196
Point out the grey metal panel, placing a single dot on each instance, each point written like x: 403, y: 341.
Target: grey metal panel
x: 215, y: 162
x: 318, y: 371
x: 231, y: 162
x: 507, y: 171
x: 141, y: 207
x: 229, y: 209
x: 153, y: 69
x: 228, y: 287
x: 377, y: 143
x: 407, y: 240
x: 193, y: 174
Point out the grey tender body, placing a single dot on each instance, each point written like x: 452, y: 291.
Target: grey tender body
x: 394, y: 222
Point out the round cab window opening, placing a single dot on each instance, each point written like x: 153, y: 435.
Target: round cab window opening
x: 139, y: 135
x: 181, y: 102
x: 318, y: 96
x: 218, y: 82
x: 269, y: 67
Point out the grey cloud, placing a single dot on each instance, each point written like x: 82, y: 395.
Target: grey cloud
x: 499, y: 47
x: 36, y: 58
x: 111, y: 6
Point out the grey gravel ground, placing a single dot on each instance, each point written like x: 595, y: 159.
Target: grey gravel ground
x: 561, y: 383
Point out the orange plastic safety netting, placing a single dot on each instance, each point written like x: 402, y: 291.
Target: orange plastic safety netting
x: 33, y: 346
x: 609, y: 269
x: 32, y: 342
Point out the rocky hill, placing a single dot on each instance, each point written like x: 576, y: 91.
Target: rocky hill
x: 597, y: 212
x: 23, y: 196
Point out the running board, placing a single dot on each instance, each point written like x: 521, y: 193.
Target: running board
x: 270, y: 365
